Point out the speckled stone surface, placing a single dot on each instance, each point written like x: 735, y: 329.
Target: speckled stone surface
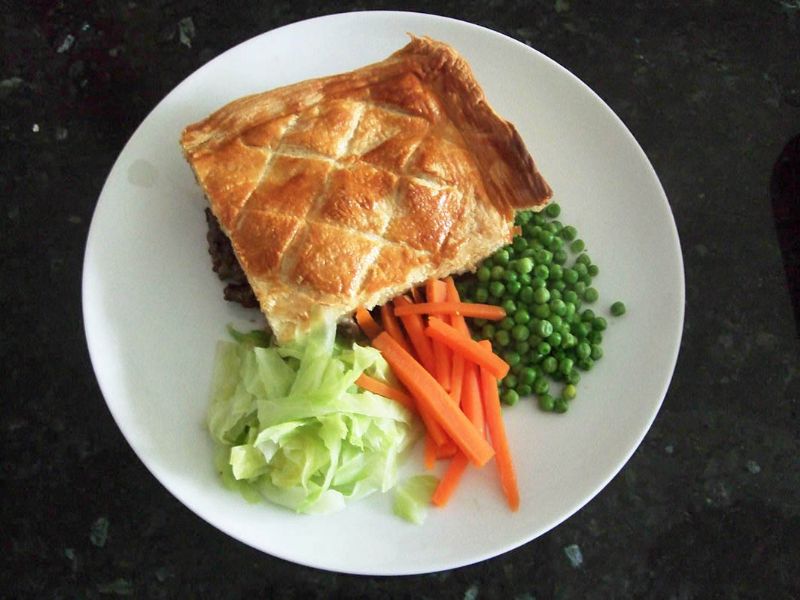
x: 709, y: 505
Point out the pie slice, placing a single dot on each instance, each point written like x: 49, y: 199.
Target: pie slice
x: 350, y: 189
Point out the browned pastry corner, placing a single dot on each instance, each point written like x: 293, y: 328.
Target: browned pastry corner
x: 348, y: 190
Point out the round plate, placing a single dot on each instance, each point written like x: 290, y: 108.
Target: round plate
x: 153, y: 309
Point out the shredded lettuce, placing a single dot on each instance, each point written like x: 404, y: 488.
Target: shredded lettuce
x: 293, y: 427
x: 413, y: 496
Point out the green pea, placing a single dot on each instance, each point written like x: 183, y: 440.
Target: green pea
x: 565, y: 365
x: 560, y: 405
x: 525, y: 279
x: 520, y: 333
x: 597, y: 352
x: 570, y: 311
x: 558, y: 306
x: 488, y: 331
x: 543, y: 348
x: 506, y: 324
x: 522, y: 347
x: 496, y: 288
x: 582, y: 270
x: 502, y: 338
x: 587, y: 316
x: 594, y: 270
x: 618, y: 308
x: 522, y: 316
x: 569, y: 295
x: 552, y: 210
x: 559, y: 256
x: 554, y: 339
x: 577, y: 246
x: 543, y: 256
x: 573, y: 377
x: 510, y: 276
x: 544, y: 328
x: 524, y: 390
x: 501, y: 257
x: 591, y: 295
x: 556, y: 320
x: 541, y: 271
x: 510, y: 397
x: 527, y: 376
x: 523, y: 265
x: 556, y: 272
x: 569, y: 233
x: 537, y: 282
x: 541, y: 385
x: 585, y: 364
x: 546, y: 237
x: 583, y: 350
x: 546, y: 402
x: 497, y: 273
x: 550, y: 364
x: 569, y: 392
x: 570, y: 341
x: 584, y: 258
x: 509, y: 306
x: 481, y: 294
x: 519, y: 243
x: 541, y: 295
x: 513, y: 288
x: 541, y: 311
x: 526, y: 294
x: 581, y: 330
x: 595, y: 337
x: 599, y: 324
x: 484, y: 274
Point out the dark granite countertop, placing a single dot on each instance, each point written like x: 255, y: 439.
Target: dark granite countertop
x: 709, y: 505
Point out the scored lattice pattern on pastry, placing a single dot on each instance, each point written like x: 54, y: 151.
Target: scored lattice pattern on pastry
x: 347, y: 190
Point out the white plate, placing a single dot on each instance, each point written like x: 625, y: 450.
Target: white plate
x: 153, y: 309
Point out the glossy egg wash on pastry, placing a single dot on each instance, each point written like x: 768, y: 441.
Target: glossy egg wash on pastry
x: 348, y: 190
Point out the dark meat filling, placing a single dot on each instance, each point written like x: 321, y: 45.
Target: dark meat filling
x: 226, y: 266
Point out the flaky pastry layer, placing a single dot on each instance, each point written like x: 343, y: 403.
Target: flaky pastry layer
x: 348, y: 190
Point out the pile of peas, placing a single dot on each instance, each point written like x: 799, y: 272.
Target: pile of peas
x: 547, y: 336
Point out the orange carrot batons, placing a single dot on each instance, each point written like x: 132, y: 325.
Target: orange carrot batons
x: 430, y: 395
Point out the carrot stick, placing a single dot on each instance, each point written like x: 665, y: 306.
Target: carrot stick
x: 478, y: 311
x: 384, y: 389
x: 429, y: 452
x: 446, y: 450
x: 467, y: 347
x: 471, y: 397
x: 416, y: 295
x: 367, y: 323
x: 416, y: 334
x: 457, y: 378
x: 432, y: 426
x: 391, y: 325
x: 449, y: 482
x: 471, y: 405
x: 430, y: 395
x: 457, y: 321
x: 436, y: 291
x: 497, y: 431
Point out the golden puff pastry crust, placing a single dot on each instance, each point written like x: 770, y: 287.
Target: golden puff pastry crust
x: 348, y: 190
